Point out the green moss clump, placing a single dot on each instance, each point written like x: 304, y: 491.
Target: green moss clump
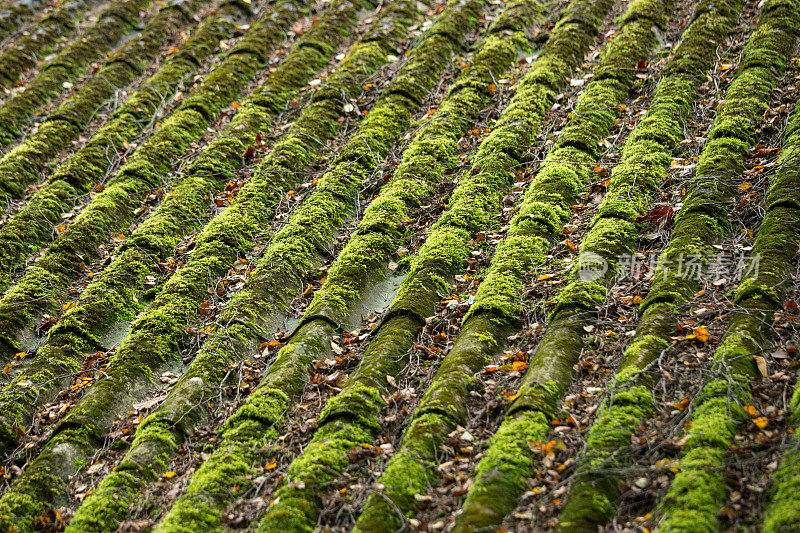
x: 112, y: 296
x: 16, y: 13
x: 154, y: 334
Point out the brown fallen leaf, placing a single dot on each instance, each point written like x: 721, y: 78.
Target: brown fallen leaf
x: 761, y: 363
x: 658, y: 212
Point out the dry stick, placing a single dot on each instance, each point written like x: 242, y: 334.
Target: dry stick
x: 351, y: 417
x: 698, y: 491
x: 120, y: 17
x: 15, y: 13
x: 546, y: 207
x: 292, y: 254
x: 33, y: 225
x: 112, y: 296
x: 700, y: 222
x: 40, y: 38
x: 158, y: 437
x: 22, y: 165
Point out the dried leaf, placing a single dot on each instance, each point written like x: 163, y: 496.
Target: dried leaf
x: 761, y: 363
x: 658, y: 212
x: 681, y: 405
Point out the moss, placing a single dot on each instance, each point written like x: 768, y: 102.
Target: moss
x: 114, y: 205
x: 261, y: 295
x: 243, y: 440
x: 118, y: 18
x: 596, y: 489
x: 43, y: 484
x: 699, y: 489
x: 349, y: 420
x: 21, y: 166
x: 645, y: 158
x: 424, y: 162
x: 502, y: 471
x: 473, y: 200
x: 31, y: 227
x: 39, y: 40
x: 162, y: 323
x: 410, y: 472
x: 17, y: 13
x: 765, y: 290
x: 782, y: 512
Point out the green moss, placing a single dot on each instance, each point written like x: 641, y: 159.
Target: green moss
x: 117, y: 19
x: 163, y: 322
x: 595, y: 490
x: 782, y: 513
x: 16, y: 14
x: 267, y: 289
x: 43, y: 484
x: 32, y: 226
x: 699, y: 490
x: 502, y: 471
x: 22, y: 165
x: 39, y: 40
x: 111, y: 297
x: 646, y: 157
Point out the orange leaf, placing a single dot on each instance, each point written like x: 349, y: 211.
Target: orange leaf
x: 510, y: 397
x: 701, y: 334
x: 681, y: 405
